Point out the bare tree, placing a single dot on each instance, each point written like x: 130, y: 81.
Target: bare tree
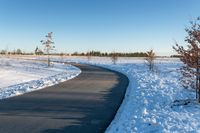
x: 150, y: 58
x: 7, y: 52
x: 48, y: 45
x: 190, y: 56
x: 89, y: 56
x: 62, y: 56
x: 114, y: 57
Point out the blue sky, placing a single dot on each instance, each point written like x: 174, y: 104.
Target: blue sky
x: 104, y: 25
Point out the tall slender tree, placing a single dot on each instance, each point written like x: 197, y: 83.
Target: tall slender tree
x: 190, y: 56
x: 48, y: 45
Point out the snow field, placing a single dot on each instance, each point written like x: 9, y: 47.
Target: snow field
x: 148, y: 106
x: 21, y: 76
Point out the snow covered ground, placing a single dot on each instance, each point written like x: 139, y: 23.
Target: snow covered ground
x: 21, y: 76
x: 149, y: 105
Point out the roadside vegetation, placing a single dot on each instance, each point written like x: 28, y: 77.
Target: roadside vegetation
x: 190, y: 56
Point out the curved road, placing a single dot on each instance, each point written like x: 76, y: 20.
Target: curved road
x: 85, y: 104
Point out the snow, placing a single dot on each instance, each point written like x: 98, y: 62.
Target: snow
x: 21, y: 76
x: 150, y: 102
x: 154, y: 102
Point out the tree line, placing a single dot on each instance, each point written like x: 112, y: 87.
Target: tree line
x: 106, y: 54
x: 91, y: 53
x: 14, y: 52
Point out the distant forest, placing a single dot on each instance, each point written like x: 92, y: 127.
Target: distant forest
x: 105, y: 54
x: 91, y: 53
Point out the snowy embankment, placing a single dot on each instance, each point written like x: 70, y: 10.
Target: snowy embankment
x: 21, y: 76
x: 149, y: 102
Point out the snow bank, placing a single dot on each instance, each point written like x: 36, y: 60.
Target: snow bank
x: 149, y: 102
x: 19, y: 76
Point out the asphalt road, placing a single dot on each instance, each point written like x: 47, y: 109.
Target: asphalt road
x: 85, y: 104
